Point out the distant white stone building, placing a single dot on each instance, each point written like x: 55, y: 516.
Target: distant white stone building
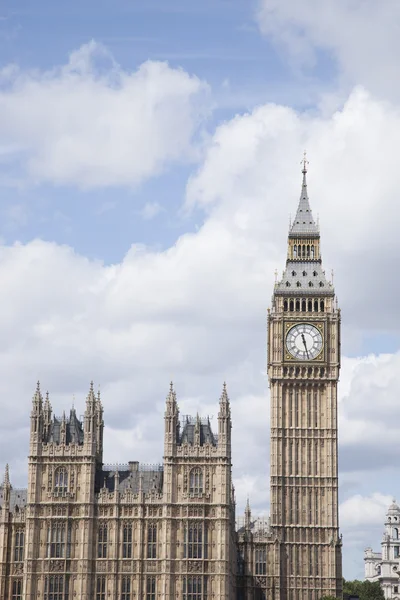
x: 384, y: 566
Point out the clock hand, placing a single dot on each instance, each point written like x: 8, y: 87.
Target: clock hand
x: 305, y: 345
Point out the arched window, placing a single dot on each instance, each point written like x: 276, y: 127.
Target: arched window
x: 304, y: 251
x: 295, y: 251
x: 61, y: 481
x: 308, y: 251
x: 297, y: 305
x: 126, y: 588
x: 196, y: 482
x: 17, y: 589
x: 291, y: 306
x: 322, y: 306
x: 285, y: 305
x: 312, y: 251
x: 310, y: 306
x: 315, y: 305
x: 395, y: 533
x: 303, y: 305
x: 288, y: 284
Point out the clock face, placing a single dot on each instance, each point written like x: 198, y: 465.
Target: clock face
x: 304, y: 341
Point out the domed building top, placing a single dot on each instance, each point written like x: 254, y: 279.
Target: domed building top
x: 394, y: 508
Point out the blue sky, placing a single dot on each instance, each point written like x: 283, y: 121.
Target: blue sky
x: 217, y: 41
x: 149, y: 161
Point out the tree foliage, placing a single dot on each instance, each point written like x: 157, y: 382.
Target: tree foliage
x: 365, y: 590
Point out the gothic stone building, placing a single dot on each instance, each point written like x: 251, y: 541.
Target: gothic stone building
x: 95, y: 532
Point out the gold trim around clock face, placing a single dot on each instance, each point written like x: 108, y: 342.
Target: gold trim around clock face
x: 306, y: 346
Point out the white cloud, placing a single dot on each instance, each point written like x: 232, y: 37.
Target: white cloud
x: 362, y: 37
x: 195, y: 313
x: 90, y: 123
x: 366, y: 511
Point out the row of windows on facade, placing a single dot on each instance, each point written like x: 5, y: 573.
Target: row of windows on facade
x: 195, y: 543
x: 56, y: 587
x: 193, y: 588
x: 61, y: 481
x: 303, y: 251
x: 304, y: 305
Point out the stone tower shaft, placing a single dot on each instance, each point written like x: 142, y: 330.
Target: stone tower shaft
x: 303, y: 371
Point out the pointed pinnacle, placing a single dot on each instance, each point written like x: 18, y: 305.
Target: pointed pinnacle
x: 224, y: 396
x: 7, y: 475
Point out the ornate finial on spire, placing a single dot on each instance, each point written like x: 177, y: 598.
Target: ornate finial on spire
x: 224, y: 406
x: 304, y: 162
x: 92, y: 386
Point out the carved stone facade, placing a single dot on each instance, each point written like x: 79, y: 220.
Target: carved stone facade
x: 303, y: 370
x: 88, y: 531
x: 94, y: 532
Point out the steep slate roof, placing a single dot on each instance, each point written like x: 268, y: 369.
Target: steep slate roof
x: 73, y: 433
x: 17, y: 498
x: 206, y: 434
x: 298, y: 276
x: 129, y: 479
x: 304, y: 223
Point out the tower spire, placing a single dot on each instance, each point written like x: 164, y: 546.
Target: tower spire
x: 303, y: 223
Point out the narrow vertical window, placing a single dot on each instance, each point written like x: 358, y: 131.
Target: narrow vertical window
x: 261, y: 560
x: 19, y: 545
x: 127, y: 541
x: 102, y: 540
x: 101, y: 588
x: 17, y: 589
x: 126, y: 588
x: 151, y: 588
x: 152, y: 540
x: 196, y: 481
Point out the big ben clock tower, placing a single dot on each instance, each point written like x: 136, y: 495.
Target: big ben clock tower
x: 303, y: 371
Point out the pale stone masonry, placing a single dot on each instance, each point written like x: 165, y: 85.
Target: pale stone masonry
x: 84, y: 530
x: 303, y: 371
x: 90, y: 531
x: 384, y: 566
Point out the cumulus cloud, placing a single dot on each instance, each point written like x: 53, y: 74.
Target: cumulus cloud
x: 361, y: 36
x: 91, y: 123
x: 195, y: 313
